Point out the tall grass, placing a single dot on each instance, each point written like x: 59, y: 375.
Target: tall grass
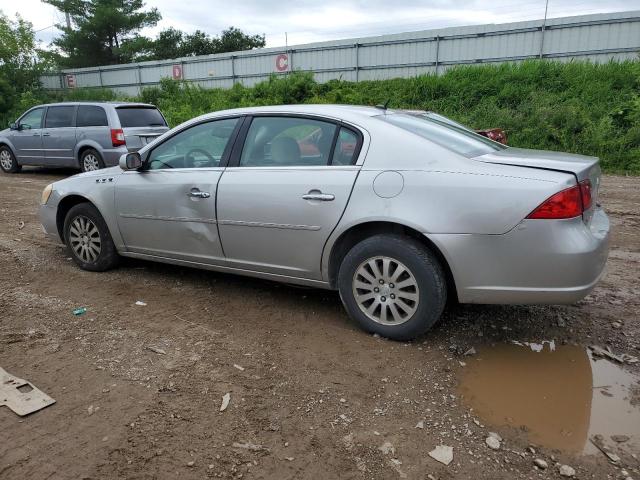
x: 579, y: 107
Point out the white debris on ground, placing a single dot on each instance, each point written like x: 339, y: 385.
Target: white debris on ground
x: 442, y: 454
x: 226, y: 398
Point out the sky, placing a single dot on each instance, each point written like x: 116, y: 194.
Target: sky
x: 307, y: 21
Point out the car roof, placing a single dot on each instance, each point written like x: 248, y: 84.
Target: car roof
x: 345, y: 112
x: 112, y: 104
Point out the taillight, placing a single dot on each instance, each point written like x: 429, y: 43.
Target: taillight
x: 585, y: 190
x: 568, y: 203
x: 117, y: 137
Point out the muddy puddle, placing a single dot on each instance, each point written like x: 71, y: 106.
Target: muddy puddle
x: 558, y: 396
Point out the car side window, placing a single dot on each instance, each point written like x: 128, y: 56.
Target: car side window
x: 91, y: 116
x: 58, y: 117
x: 287, y: 142
x: 346, y: 148
x: 32, y: 120
x: 200, y: 146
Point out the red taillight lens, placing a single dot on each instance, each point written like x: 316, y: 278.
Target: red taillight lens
x: 564, y: 204
x: 117, y: 137
x: 585, y: 190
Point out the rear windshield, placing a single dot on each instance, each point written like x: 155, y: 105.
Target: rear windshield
x: 445, y: 133
x: 140, y: 117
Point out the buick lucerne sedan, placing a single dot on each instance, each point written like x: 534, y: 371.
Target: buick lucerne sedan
x: 395, y: 211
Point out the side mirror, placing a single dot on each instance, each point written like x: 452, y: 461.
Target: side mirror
x: 14, y: 126
x: 130, y: 161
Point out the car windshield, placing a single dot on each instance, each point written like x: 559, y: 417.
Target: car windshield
x: 444, y: 132
x: 140, y: 117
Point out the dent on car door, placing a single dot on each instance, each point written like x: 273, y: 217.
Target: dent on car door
x: 284, y: 193
x: 27, y: 140
x: 167, y: 209
x: 59, y: 136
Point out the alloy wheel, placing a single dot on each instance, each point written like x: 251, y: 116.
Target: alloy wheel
x: 90, y: 162
x: 84, y: 239
x: 5, y: 159
x: 386, y: 290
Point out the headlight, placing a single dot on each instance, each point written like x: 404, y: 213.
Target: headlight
x: 46, y: 193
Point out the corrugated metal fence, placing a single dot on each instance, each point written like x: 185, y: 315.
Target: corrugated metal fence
x: 598, y: 38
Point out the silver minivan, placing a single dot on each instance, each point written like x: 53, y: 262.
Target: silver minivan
x: 85, y: 135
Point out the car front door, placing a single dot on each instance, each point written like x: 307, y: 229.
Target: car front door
x: 285, y: 191
x: 168, y: 208
x: 27, y: 139
x: 59, y: 136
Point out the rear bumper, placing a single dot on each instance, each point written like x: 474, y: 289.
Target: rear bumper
x: 538, y: 262
x: 111, y: 157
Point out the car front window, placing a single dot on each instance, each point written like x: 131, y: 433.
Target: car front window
x: 447, y: 134
x: 32, y: 119
x: 200, y: 146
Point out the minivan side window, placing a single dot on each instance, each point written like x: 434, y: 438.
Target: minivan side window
x: 287, y: 142
x: 58, y: 117
x: 91, y: 116
x: 32, y: 120
x: 200, y: 146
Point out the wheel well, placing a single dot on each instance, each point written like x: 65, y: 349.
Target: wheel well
x: 66, y: 204
x: 83, y: 149
x: 359, y: 232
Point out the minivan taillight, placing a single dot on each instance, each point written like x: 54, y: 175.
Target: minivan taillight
x: 568, y: 203
x: 117, y: 137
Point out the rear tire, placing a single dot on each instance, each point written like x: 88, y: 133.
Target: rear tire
x: 8, y: 162
x: 88, y: 239
x: 90, y: 160
x: 392, y: 285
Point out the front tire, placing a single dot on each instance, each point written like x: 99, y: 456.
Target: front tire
x: 88, y: 239
x: 91, y: 160
x: 392, y: 285
x: 8, y: 162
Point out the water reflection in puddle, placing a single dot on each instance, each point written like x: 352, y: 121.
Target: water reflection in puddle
x: 560, y: 395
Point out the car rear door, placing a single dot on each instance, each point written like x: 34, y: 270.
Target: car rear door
x: 281, y: 197
x: 59, y: 136
x: 168, y: 209
x: 141, y: 124
x: 27, y: 140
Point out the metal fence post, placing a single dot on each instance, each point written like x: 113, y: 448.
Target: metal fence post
x: 233, y: 69
x: 100, y: 76
x: 357, y: 45
x: 139, y: 79
x: 437, y: 52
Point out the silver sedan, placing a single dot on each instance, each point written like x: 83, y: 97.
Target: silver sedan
x: 397, y: 212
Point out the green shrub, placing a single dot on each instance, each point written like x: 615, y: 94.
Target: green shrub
x: 580, y: 107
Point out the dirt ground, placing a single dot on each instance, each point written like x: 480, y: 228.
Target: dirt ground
x: 311, y: 395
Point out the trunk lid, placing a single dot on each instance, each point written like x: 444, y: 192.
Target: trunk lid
x: 581, y: 166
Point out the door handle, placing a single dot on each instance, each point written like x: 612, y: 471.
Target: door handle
x: 198, y: 194
x: 318, y: 195
x: 44, y: 134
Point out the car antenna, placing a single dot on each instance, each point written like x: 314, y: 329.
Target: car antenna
x: 384, y: 106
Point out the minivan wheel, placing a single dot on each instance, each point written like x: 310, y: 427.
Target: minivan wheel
x: 90, y: 160
x: 8, y: 162
x: 392, y: 285
x: 88, y: 239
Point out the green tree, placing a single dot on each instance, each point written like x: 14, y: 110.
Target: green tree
x: 172, y: 43
x: 104, y: 32
x: 20, y: 66
x: 234, y: 40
